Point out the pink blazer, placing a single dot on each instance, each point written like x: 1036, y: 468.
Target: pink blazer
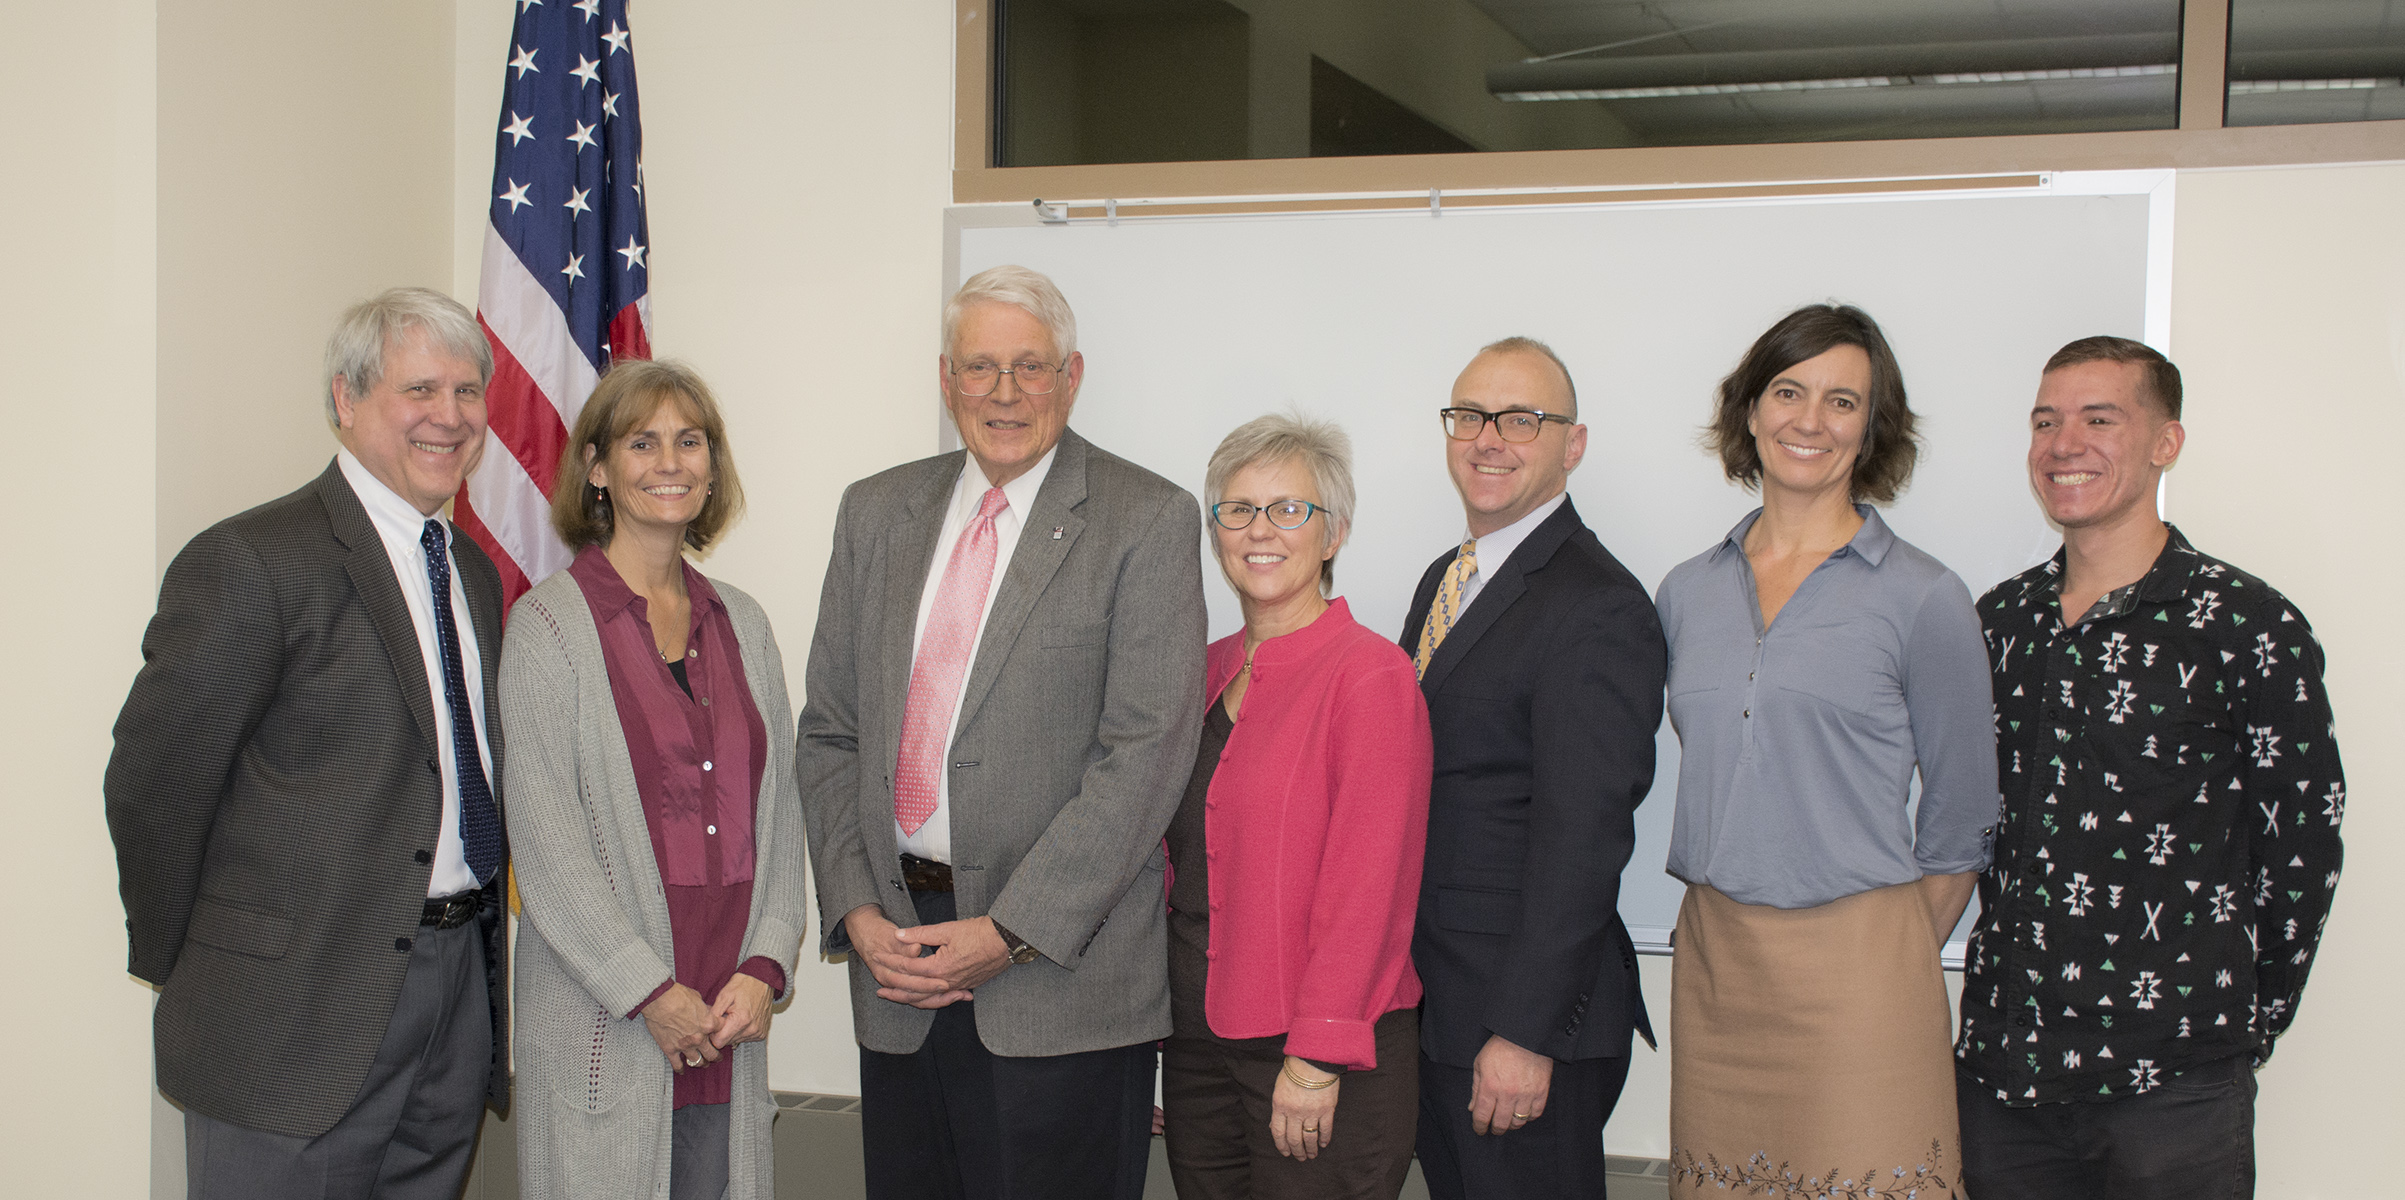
x: 1315, y: 821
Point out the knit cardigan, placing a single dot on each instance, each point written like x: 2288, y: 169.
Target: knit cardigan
x: 1316, y: 819
x: 594, y: 1091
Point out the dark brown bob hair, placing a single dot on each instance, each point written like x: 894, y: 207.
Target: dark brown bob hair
x: 2162, y: 378
x: 628, y: 394
x: 1889, y: 445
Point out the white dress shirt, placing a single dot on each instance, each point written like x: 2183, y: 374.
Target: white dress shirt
x: 1496, y: 548
x: 934, y: 839
x: 400, y: 525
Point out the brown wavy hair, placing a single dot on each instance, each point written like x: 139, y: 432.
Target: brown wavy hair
x: 1890, y: 443
x: 627, y: 395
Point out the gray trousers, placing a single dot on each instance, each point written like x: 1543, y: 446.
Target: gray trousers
x: 411, y: 1132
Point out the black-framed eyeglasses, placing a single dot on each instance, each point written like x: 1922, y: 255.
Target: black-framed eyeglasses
x: 1512, y: 425
x: 1035, y: 377
x: 1285, y: 514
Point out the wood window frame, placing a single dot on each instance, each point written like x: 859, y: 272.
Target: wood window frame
x: 2201, y: 141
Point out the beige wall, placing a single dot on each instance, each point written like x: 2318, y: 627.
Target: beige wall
x: 78, y: 139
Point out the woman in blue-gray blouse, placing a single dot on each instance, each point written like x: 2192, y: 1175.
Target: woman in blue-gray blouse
x: 1815, y: 660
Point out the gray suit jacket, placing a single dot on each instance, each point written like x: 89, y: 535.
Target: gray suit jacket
x: 275, y: 799
x: 1077, y: 732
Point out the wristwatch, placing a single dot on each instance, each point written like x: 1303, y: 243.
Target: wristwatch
x: 1021, y: 953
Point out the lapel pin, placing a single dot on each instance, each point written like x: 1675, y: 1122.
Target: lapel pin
x: 1056, y: 532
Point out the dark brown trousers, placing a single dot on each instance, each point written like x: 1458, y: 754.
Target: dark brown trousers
x: 1215, y: 1092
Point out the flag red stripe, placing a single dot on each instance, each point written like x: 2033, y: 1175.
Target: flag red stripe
x: 513, y: 581
x: 628, y: 338
x: 522, y: 419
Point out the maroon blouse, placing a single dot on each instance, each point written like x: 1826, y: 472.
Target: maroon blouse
x: 698, y: 760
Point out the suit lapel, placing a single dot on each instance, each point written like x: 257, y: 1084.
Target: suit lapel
x: 907, y: 569
x: 1033, y: 563
x: 371, y: 571
x: 1495, y: 598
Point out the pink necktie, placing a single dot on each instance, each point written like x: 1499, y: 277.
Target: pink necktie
x: 942, y: 660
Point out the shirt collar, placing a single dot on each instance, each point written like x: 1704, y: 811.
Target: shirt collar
x: 607, y: 595
x: 1496, y: 547
x: 1869, y: 543
x: 1020, y: 492
x: 392, y: 516
x: 2167, y: 579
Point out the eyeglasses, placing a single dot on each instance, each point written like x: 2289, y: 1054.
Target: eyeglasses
x: 1285, y: 514
x: 981, y: 378
x: 1513, y: 425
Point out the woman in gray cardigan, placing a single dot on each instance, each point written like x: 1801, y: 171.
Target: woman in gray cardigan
x: 654, y: 817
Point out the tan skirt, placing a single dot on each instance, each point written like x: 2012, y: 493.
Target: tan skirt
x: 1810, y: 1049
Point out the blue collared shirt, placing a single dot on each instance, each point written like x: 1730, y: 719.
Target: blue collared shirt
x: 1799, y: 742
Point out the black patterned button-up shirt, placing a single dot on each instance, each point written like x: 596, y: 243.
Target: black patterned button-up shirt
x: 2169, y: 841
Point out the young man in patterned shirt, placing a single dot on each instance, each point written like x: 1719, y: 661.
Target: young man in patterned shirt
x: 2169, y: 839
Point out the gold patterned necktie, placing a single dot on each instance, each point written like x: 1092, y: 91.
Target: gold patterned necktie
x: 1446, y: 608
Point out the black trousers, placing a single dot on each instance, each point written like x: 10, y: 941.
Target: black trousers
x: 1558, y: 1155
x: 1215, y: 1092
x: 955, y: 1121
x: 412, y: 1130
x: 2193, y: 1138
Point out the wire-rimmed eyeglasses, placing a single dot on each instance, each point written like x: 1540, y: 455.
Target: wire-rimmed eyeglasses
x: 1512, y: 425
x: 1035, y: 377
x: 1285, y: 514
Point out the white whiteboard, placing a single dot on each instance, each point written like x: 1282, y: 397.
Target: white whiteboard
x: 1193, y: 326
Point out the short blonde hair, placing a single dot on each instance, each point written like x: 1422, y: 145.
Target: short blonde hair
x: 629, y: 392
x: 1322, y: 448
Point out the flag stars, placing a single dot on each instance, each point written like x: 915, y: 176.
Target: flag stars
x: 616, y: 37
x: 587, y: 69
x: 590, y: 8
x: 516, y: 195
x: 634, y: 252
x: 583, y: 135
x: 575, y: 268
x: 609, y: 103
x: 576, y: 201
x: 523, y: 64
x: 518, y: 128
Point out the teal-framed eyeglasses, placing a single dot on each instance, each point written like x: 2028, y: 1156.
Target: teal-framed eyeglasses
x: 1285, y: 514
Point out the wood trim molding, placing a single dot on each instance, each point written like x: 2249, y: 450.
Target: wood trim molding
x: 2195, y: 145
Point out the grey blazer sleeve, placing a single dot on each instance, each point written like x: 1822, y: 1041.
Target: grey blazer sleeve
x: 564, y: 878
x: 212, y: 659
x: 1081, y: 866
x: 827, y: 751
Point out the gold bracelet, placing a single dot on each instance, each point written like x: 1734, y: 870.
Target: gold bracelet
x: 1288, y: 1070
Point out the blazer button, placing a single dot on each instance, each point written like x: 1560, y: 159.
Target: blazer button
x: 401, y: 944
x: 423, y: 856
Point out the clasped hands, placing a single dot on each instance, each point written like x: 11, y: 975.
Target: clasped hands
x: 926, y: 966
x: 692, y: 1033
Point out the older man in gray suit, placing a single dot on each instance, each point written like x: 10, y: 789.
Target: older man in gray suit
x: 1004, y: 696
x: 308, y: 840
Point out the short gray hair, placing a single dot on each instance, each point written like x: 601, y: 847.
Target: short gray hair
x: 1019, y: 287
x: 356, y: 351
x: 1322, y: 448
x: 1529, y: 345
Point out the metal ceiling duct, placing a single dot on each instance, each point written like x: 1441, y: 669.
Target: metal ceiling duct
x: 2014, y: 56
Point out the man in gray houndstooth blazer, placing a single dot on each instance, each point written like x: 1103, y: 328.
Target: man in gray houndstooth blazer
x: 1004, y: 696
x: 308, y: 840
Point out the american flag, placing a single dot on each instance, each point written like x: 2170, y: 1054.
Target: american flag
x: 566, y: 282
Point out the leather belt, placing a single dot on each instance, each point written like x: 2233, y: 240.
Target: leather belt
x: 925, y: 874
x: 451, y: 912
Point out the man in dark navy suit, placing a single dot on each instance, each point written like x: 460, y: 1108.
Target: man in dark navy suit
x: 1542, y: 663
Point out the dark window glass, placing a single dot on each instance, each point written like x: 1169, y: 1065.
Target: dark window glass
x: 2301, y: 62
x: 1117, y: 81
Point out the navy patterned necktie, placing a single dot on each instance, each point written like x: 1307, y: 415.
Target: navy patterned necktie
x: 479, y: 825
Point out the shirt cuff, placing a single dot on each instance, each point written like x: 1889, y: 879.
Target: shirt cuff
x: 656, y: 993
x: 766, y: 970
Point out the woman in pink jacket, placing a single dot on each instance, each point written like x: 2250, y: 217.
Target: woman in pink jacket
x: 1295, y: 857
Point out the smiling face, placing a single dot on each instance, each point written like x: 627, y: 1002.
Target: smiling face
x: 1008, y: 431
x: 1499, y: 481
x: 2098, y: 444
x: 1271, y: 567
x: 658, y: 475
x: 1808, y: 424
x: 420, y: 428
